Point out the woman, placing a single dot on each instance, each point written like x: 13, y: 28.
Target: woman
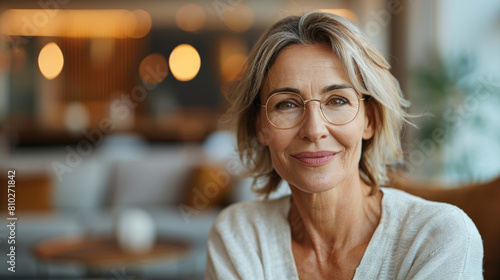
x: 318, y: 108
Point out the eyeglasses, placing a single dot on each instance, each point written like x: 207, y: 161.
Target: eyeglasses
x: 286, y: 110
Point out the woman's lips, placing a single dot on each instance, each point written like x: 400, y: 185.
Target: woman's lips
x: 314, y: 159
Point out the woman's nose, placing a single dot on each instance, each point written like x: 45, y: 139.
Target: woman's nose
x: 313, y: 126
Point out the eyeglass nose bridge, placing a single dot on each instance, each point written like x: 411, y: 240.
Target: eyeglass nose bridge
x: 320, y: 109
x: 309, y: 100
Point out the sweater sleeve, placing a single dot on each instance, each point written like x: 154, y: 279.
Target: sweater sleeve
x: 454, y: 250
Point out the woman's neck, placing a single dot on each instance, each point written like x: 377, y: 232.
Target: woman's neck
x: 339, y: 219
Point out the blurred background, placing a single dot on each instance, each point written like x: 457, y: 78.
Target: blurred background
x: 109, y: 116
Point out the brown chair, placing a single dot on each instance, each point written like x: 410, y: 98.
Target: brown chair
x: 480, y: 201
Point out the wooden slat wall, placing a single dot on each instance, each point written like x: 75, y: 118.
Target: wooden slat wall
x: 97, y: 82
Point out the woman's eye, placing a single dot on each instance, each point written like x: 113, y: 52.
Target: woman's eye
x: 285, y: 105
x: 337, y: 101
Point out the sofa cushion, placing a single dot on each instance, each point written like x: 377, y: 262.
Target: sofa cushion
x: 83, y: 189
x: 157, y: 178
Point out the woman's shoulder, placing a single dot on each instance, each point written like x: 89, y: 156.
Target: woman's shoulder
x: 420, y: 238
x: 416, y: 216
x: 404, y: 204
x: 248, y: 240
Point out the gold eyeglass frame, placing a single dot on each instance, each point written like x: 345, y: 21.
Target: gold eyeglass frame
x: 304, y: 109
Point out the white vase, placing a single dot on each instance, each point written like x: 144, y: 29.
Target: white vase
x: 135, y: 230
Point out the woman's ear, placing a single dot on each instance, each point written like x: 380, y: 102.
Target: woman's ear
x: 369, y: 127
x: 261, y: 136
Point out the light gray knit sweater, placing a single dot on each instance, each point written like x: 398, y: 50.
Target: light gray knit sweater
x: 416, y: 239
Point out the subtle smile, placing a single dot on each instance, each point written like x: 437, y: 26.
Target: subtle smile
x: 314, y: 159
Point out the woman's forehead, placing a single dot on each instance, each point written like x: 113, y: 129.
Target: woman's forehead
x: 303, y: 65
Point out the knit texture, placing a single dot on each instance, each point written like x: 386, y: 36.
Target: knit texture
x: 416, y: 239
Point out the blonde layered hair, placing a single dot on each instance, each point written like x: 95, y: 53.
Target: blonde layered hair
x: 368, y: 73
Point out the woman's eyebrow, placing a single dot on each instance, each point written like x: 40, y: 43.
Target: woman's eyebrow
x: 285, y: 89
x: 325, y: 89
x: 335, y: 87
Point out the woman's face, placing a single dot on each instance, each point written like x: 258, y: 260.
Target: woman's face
x: 314, y: 156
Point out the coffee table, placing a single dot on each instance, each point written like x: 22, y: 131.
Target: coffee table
x: 98, y: 254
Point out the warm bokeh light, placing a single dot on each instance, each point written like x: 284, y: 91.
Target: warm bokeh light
x: 184, y: 62
x: 190, y: 17
x: 50, y: 61
x: 239, y: 19
x: 153, y: 69
x: 346, y: 13
x: 76, y: 23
